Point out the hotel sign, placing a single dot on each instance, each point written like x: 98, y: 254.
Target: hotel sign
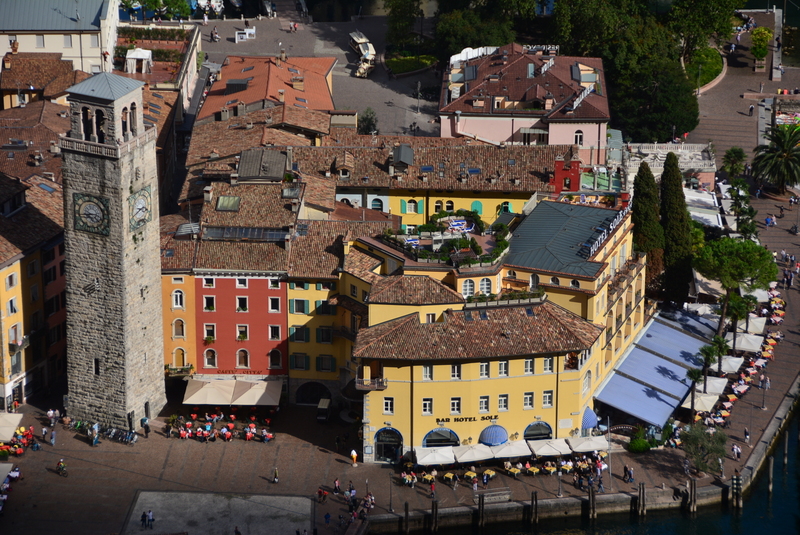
x: 242, y: 372
x: 607, y: 231
x: 457, y: 419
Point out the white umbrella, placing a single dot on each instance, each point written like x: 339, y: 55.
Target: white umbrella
x: 731, y: 364
x: 511, y: 449
x: 214, y: 392
x: 431, y: 456
x: 587, y: 444
x: 9, y: 422
x: 716, y: 385
x: 549, y: 447
x: 476, y: 452
x: 260, y: 393
x: 702, y: 402
x: 746, y: 342
x: 755, y: 325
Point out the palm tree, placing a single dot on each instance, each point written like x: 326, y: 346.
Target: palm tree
x: 721, y: 346
x: 709, y: 355
x: 751, y: 302
x: 779, y: 161
x: 694, y: 375
x: 733, y: 162
x: 737, y: 311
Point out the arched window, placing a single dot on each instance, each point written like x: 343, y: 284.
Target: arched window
x: 579, y: 137
x: 242, y: 359
x: 210, y: 358
x: 468, y: 288
x: 377, y: 204
x: 411, y: 207
x: 177, y: 299
x: 179, y: 329
x: 179, y: 357
x: 567, y: 183
x: 100, y: 126
x: 438, y: 206
x: 346, y: 201
x: 134, y: 119
x: 274, y: 359
x: 448, y: 206
x: 574, y: 283
x: 554, y: 280
x: 587, y: 381
x: 124, y: 120
x: 86, y: 123
x: 486, y: 286
x: 511, y: 274
x: 534, y: 281
x: 505, y: 207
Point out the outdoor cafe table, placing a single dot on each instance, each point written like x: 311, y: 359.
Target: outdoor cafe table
x: 448, y: 477
x: 470, y: 475
x: 514, y: 472
x: 427, y: 478
x: 760, y: 363
x: 533, y: 470
x: 766, y: 355
x: 727, y: 404
x: 550, y: 469
x: 724, y: 414
x: 489, y: 473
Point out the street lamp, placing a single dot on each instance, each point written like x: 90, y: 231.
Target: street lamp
x: 391, y: 509
x: 608, y: 457
x: 763, y: 398
x: 560, y: 495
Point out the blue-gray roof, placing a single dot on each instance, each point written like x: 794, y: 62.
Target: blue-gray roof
x: 105, y: 86
x: 51, y: 15
x: 557, y: 237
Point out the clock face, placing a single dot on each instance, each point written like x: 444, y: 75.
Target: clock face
x: 91, y: 213
x: 139, y: 205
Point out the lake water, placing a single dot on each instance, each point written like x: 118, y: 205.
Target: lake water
x: 762, y: 513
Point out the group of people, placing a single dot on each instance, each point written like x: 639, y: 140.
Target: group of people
x: 226, y: 433
x: 13, y: 476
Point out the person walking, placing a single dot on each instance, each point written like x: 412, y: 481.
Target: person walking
x: 686, y: 466
x: 433, y: 490
x: 53, y: 437
x: 327, y: 520
x: 747, y: 435
x: 630, y: 475
x: 485, y: 480
x: 150, y: 519
x: 205, y: 19
x: 336, y: 488
x: 51, y: 416
x: 600, y: 486
x: 625, y: 473
x: 761, y: 381
x: 144, y: 520
x: 767, y: 384
x: 44, y: 433
x: 146, y: 430
x: 751, y: 109
x: 275, y: 475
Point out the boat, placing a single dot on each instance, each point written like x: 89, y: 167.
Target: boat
x: 217, y: 6
x: 236, y: 4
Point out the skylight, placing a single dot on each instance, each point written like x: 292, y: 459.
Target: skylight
x: 228, y: 203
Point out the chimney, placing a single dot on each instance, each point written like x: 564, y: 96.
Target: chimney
x: 283, y: 54
x: 214, y: 154
x: 207, y: 193
x: 7, y: 62
x: 241, y: 109
x: 298, y: 83
x: 234, y: 179
x: 295, y: 205
x: 458, y: 115
x: 15, y: 47
x: 224, y: 114
x: 147, y: 86
x: 280, y: 95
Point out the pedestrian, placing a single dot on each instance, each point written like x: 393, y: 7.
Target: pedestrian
x: 751, y: 110
x: 738, y: 37
x: 761, y: 88
x: 767, y: 387
x: 738, y: 452
x: 474, y: 484
x: 433, y: 490
x: 150, y: 519
x: 275, y: 475
x: 778, y: 43
x: 780, y: 66
x: 625, y: 473
x: 630, y: 475
x: 324, y: 496
x: 761, y: 381
x: 319, y: 495
x: 485, y: 480
x: 144, y: 520
x: 600, y: 486
x: 327, y: 520
x: 733, y: 452
x: 686, y: 466
x: 205, y: 19
x: 747, y: 435
x: 236, y: 531
x: 51, y: 416
x: 758, y: 193
x: 146, y: 430
x: 53, y: 437
x: 44, y: 433
x: 580, y: 481
x: 336, y: 488
x: 353, y: 495
x: 246, y: 23
x: 589, y: 482
x: 733, y: 47
x: 354, y: 456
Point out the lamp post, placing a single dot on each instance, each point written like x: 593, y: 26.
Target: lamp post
x: 608, y: 430
x: 763, y: 398
x: 560, y: 494
x: 391, y: 509
x: 367, y: 485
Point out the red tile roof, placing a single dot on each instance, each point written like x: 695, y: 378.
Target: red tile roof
x: 241, y: 256
x: 313, y: 120
x: 345, y: 212
x: 496, y: 76
x: 266, y: 78
x: 260, y: 205
x: 362, y: 264
x: 319, y: 193
x: 412, y: 290
x: 58, y: 86
x: 39, y: 221
x: 35, y: 69
x: 176, y: 254
x: 38, y: 122
x: 507, y: 331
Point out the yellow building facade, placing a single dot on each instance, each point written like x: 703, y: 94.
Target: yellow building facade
x: 180, y: 327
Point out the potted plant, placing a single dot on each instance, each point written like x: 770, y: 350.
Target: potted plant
x: 760, y: 38
x: 242, y: 337
x: 210, y: 309
x: 208, y: 340
x: 241, y: 309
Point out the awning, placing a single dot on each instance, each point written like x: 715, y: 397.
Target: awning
x: 214, y: 392
x: 731, y: 364
x: 671, y: 343
x: 746, y: 342
x: 232, y: 392
x: 587, y: 444
x: 702, y: 402
x: 494, y: 435
x: 525, y: 130
x: 440, y: 437
x: 716, y: 385
x: 761, y: 295
x: 517, y: 448
x: 638, y: 400
x: 431, y: 456
x: 655, y: 372
x: 549, y: 448
x: 9, y: 422
x: 476, y: 452
x: 258, y: 393
x: 146, y: 56
x: 589, y: 419
x: 755, y: 325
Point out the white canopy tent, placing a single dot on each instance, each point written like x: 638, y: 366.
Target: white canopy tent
x: 746, y: 342
x: 517, y: 448
x: 475, y: 452
x: 731, y: 364
x: 587, y: 444
x: 702, y: 402
x: 761, y: 295
x: 431, y: 456
x: 134, y: 56
x: 549, y: 447
x: 755, y: 325
x: 9, y: 422
x: 716, y: 385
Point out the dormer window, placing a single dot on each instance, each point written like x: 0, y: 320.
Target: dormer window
x: 344, y: 173
x: 13, y: 205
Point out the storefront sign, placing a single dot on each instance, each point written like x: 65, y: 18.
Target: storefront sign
x: 466, y: 419
x: 241, y: 372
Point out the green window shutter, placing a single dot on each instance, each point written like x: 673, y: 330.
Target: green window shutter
x: 333, y: 286
x: 304, y: 304
x: 319, y: 286
x: 291, y: 286
x: 403, y: 227
x: 420, y: 207
x: 477, y: 207
x: 306, y: 334
x: 319, y: 363
x: 306, y: 362
x: 510, y: 207
x: 305, y: 286
x: 319, y: 335
x: 291, y: 334
x: 291, y: 362
x: 291, y: 305
x: 317, y: 304
x: 402, y: 206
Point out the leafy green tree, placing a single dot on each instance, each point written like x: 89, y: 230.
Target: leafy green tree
x: 695, y: 376
x: 368, y: 123
x: 733, y: 162
x: 760, y: 37
x: 779, y: 161
x: 677, y: 233
x: 704, y: 449
x: 697, y: 21
x: 709, y: 355
x: 648, y: 235
x: 401, y: 15
x: 177, y: 8
x: 459, y: 29
x: 735, y: 264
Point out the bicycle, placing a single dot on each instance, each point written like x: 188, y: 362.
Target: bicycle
x: 61, y: 470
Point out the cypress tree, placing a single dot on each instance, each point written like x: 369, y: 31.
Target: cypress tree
x: 648, y: 235
x: 677, y: 233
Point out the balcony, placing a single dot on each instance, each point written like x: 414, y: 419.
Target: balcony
x: 178, y: 371
x: 112, y: 149
x: 624, y: 276
x: 19, y: 345
x: 344, y: 332
x: 372, y: 384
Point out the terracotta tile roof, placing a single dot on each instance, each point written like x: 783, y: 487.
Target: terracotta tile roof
x: 260, y: 205
x: 176, y: 254
x: 266, y: 78
x: 159, y: 105
x: 38, y: 122
x: 564, y: 80
x: 39, y: 221
x: 361, y: 264
x: 58, y: 86
x: 316, y: 121
x: 484, y: 167
x: 319, y: 192
x: 241, y: 256
x: 32, y: 69
x: 412, y: 290
x: 349, y: 137
x: 318, y: 254
x: 345, y: 212
x: 507, y: 331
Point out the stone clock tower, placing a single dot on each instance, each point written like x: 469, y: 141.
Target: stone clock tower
x: 115, y: 363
